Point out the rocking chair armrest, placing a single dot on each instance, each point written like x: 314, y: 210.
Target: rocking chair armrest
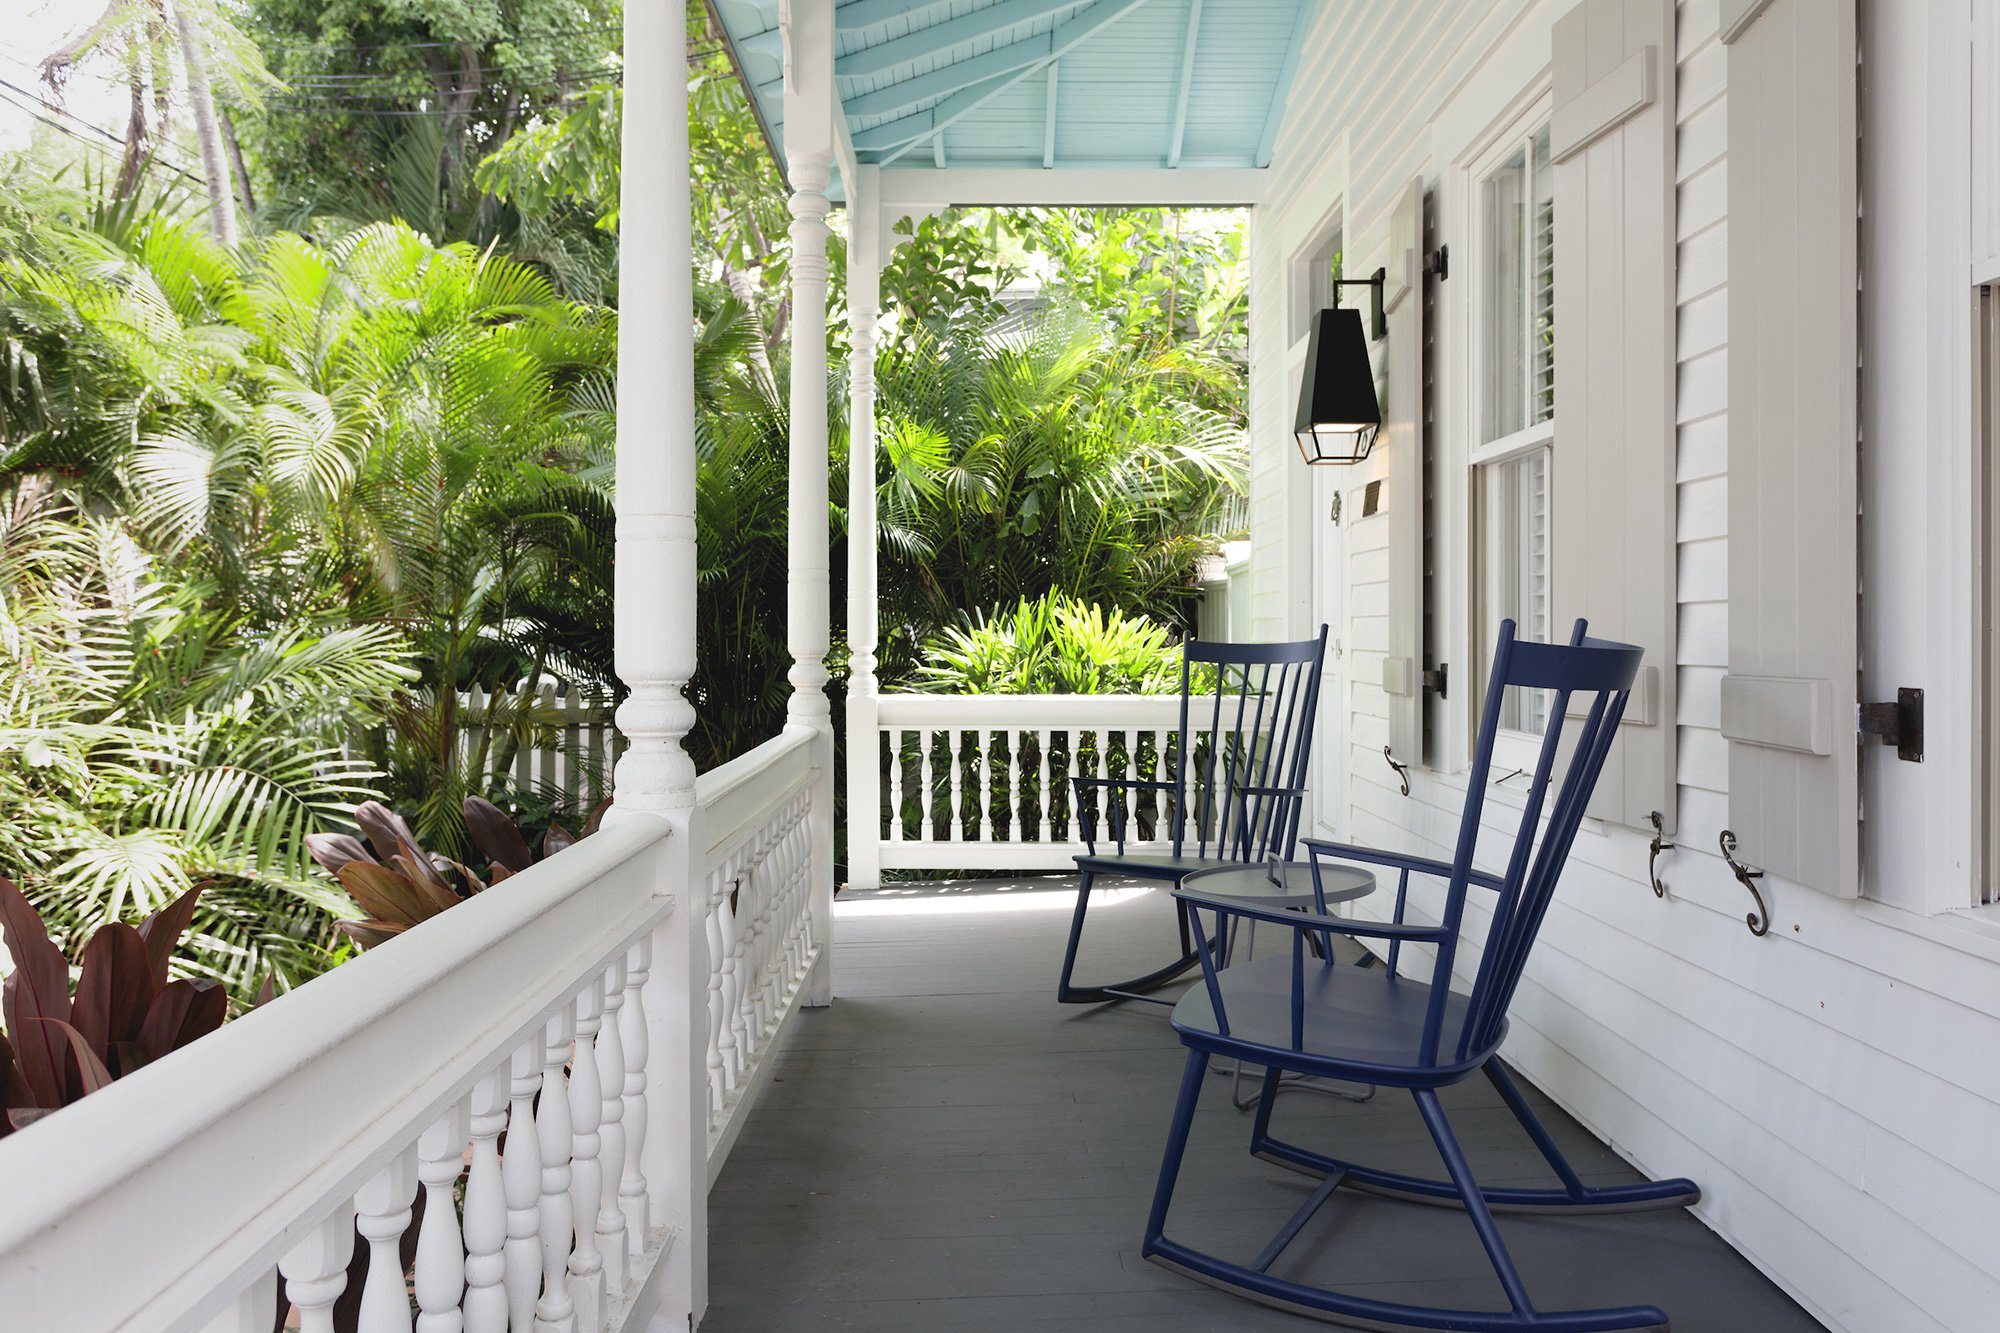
x: 1088, y: 825
x: 1308, y: 919
x: 1268, y: 791
x: 1422, y: 865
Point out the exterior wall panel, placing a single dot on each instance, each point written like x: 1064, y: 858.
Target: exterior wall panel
x: 1822, y: 1084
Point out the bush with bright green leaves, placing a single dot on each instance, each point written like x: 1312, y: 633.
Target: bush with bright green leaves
x: 1053, y: 645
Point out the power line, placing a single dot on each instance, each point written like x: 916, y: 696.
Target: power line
x: 38, y: 109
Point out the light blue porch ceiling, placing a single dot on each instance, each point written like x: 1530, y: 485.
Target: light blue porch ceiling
x: 1059, y: 84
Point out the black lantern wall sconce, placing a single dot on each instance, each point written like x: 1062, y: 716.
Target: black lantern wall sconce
x: 1339, y: 415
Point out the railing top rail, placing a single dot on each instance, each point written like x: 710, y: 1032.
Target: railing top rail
x: 1031, y: 710
x: 739, y: 796
x: 200, y: 1171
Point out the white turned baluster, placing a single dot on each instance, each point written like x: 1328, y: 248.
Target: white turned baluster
x: 1045, y: 763
x: 632, y: 1188
x: 586, y: 1172
x: 742, y: 982
x: 382, y: 1215
x: 553, y: 1312
x: 798, y: 905
x: 611, y: 1242
x: 718, y: 1000
x: 989, y: 781
x: 729, y: 914
x: 251, y: 1311
x: 521, y: 1174
x: 753, y: 935
x: 955, y: 758
x: 927, y: 775
x: 486, y: 1210
x: 772, y: 946
x: 1016, y: 827
x: 316, y: 1270
x: 440, y: 1248
x: 895, y: 735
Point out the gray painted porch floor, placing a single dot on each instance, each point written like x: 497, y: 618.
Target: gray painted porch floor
x: 947, y: 1148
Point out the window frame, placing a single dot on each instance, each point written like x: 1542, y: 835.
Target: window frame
x: 1512, y: 132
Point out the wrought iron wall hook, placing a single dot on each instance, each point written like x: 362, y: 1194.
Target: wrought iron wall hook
x: 1402, y: 770
x: 1658, y: 845
x: 1759, y: 921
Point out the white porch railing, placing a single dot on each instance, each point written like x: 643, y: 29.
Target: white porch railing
x: 577, y: 1046
x: 983, y: 781
x: 754, y: 822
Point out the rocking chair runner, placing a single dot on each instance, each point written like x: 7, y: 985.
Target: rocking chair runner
x: 1238, y: 784
x: 1305, y: 1015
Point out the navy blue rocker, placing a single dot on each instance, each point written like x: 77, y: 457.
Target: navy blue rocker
x: 1302, y: 1014
x: 1238, y: 784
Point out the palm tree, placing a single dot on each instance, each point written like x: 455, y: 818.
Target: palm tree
x: 1039, y: 455
x: 148, y: 743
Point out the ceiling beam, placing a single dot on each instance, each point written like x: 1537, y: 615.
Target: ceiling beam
x: 1217, y: 187
x: 897, y: 136
x: 939, y: 38
x: 868, y: 13
x: 894, y: 97
x: 1282, y: 89
x: 1049, y: 116
x: 1187, y: 82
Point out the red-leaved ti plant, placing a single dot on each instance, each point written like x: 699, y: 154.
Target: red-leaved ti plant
x: 59, y: 1047
x: 399, y: 884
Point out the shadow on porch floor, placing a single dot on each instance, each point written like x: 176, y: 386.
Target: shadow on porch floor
x: 948, y: 1148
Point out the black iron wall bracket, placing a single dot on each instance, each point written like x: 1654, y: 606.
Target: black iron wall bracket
x: 1759, y: 921
x: 1653, y: 850
x: 1402, y: 770
x: 1900, y: 724
x: 1378, y: 323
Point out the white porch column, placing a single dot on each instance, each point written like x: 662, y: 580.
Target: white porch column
x: 810, y: 106
x: 865, y: 243
x: 654, y: 614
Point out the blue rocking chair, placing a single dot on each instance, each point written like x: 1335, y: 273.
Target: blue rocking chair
x: 1238, y: 784
x: 1304, y: 1015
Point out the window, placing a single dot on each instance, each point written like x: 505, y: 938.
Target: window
x: 1514, y: 365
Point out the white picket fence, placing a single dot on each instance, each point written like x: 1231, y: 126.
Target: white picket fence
x: 573, y: 746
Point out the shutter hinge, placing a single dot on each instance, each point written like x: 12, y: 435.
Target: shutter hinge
x: 1435, y: 681
x: 1900, y: 724
x: 1438, y: 261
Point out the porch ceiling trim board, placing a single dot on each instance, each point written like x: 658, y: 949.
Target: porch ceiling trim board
x: 1214, y: 187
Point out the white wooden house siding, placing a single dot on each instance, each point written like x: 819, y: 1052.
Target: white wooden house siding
x: 1823, y: 1083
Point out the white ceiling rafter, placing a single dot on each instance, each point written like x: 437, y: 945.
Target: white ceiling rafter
x: 899, y: 136
x: 1049, y: 117
x: 939, y: 38
x: 1188, y: 46
x: 1282, y: 89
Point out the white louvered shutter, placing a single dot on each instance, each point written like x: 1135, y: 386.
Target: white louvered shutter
x: 1403, y: 439
x: 1788, y: 702
x: 1611, y: 133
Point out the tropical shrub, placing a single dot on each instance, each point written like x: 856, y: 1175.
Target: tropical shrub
x: 1035, y: 456
x: 399, y: 884
x: 125, y: 1013
x: 1053, y: 645
x: 149, y: 743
